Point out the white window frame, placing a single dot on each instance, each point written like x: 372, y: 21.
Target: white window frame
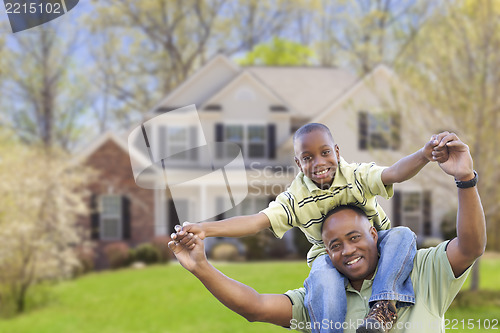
x: 116, y: 216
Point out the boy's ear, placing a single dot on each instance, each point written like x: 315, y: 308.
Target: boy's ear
x: 337, y: 151
x: 298, y: 163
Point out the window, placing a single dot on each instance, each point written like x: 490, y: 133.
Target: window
x: 177, y: 141
x: 234, y: 134
x: 251, y: 205
x: 252, y: 139
x: 111, y: 217
x: 378, y: 130
x: 411, y: 209
x: 256, y: 141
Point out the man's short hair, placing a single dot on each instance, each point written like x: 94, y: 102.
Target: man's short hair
x: 337, y: 209
x: 311, y: 127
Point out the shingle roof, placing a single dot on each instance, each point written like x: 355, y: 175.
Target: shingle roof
x: 307, y: 89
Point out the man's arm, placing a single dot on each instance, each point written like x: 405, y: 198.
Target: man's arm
x: 471, y: 225
x: 409, y: 166
x: 237, y: 226
x: 270, y: 308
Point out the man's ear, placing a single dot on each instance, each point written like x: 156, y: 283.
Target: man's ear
x: 374, y: 233
x: 298, y: 163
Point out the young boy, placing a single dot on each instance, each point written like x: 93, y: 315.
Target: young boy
x: 325, y: 181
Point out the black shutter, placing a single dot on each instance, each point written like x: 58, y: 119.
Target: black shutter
x: 271, y: 141
x: 219, y: 202
x: 396, y: 209
x: 173, y: 219
x: 219, y: 137
x: 126, y: 227
x: 427, y: 212
x: 363, y: 130
x: 193, y: 142
x: 395, y: 131
x: 94, y: 217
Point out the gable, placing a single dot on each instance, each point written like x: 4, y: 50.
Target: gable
x: 246, y: 98
x: 201, y: 85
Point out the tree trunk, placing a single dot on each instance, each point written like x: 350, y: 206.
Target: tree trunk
x: 474, y: 283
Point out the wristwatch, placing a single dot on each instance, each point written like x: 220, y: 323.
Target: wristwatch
x: 467, y: 183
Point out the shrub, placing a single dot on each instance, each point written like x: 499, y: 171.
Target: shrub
x: 146, y: 253
x: 257, y: 246
x: 85, y: 256
x: 117, y: 254
x: 161, y: 244
x: 225, y: 252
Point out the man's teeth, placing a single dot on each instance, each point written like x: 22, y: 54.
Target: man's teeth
x: 321, y: 172
x: 354, y: 261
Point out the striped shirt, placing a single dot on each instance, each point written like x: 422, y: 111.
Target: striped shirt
x: 304, y: 204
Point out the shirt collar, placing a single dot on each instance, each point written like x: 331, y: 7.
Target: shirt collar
x: 366, y: 283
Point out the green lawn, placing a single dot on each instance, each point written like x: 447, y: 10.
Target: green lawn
x: 168, y: 299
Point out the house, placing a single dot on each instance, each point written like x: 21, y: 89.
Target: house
x: 259, y: 108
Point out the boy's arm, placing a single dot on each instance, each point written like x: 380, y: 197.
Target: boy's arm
x: 409, y: 166
x: 237, y: 226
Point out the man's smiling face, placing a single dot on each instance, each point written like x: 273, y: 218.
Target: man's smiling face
x: 351, y: 243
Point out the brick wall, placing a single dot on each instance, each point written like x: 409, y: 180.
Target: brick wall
x: 116, y: 177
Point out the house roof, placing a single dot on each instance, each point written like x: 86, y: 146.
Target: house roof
x: 97, y: 143
x: 308, y: 90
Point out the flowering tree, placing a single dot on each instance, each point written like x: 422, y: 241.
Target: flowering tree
x: 41, y: 196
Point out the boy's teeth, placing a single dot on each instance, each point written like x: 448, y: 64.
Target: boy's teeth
x: 321, y: 172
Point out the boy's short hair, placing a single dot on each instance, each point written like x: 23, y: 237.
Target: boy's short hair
x: 337, y: 209
x: 311, y: 127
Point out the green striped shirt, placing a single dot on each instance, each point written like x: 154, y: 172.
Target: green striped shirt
x: 304, y: 204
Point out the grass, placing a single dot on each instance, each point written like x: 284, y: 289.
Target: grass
x: 163, y: 299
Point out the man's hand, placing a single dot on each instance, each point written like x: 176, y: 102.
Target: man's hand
x: 434, y: 151
x: 194, y: 228
x: 459, y: 162
x: 190, y: 251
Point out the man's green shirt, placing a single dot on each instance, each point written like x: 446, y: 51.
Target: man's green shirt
x: 435, y: 288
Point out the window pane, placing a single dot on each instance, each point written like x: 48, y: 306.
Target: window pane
x: 177, y: 134
x: 234, y: 133
x: 379, y: 130
x: 256, y: 133
x: 111, y: 205
x: 232, y: 151
x: 110, y: 228
x: 411, y: 202
x: 256, y: 150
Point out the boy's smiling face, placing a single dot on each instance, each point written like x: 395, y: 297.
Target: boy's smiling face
x: 317, y: 156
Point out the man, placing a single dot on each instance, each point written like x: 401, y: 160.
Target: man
x: 437, y: 275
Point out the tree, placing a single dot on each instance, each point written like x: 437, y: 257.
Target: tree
x: 144, y: 49
x: 279, y: 52
x: 454, y: 68
x: 47, y: 97
x: 361, y: 34
x: 42, y: 195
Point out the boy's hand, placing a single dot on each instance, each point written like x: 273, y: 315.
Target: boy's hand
x: 436, y: 150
